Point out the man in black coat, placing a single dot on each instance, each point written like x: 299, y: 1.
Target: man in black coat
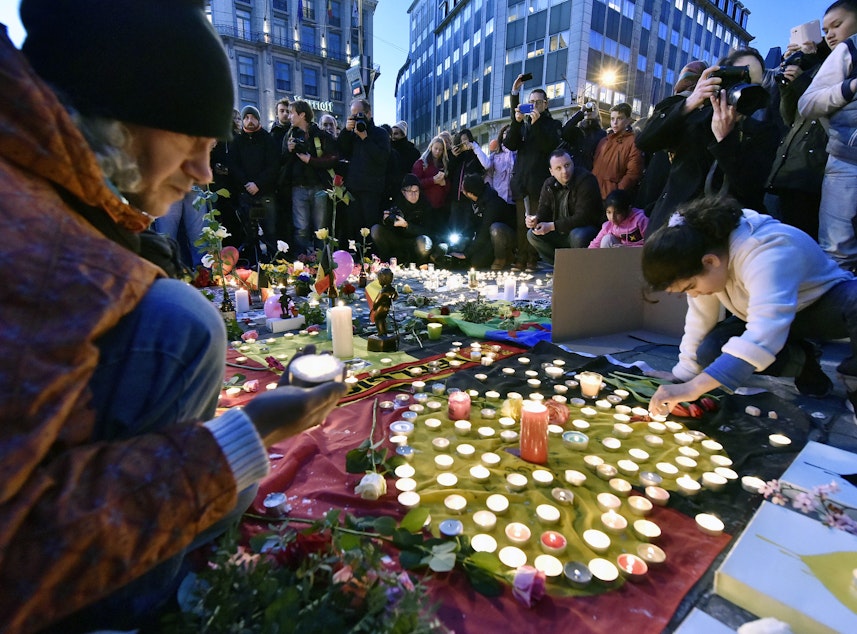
x: 534, y: 135
x: 494, y: 243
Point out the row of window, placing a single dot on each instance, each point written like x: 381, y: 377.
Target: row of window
x: 310, y: 75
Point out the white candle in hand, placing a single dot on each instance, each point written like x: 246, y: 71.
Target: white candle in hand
x: 242, y: 301
x: 341, y: 331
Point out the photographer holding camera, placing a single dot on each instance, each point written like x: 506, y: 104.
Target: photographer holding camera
x: 405, y: 230
x: 716, y: 146
x: 309, y: 154
x: 367, y: 149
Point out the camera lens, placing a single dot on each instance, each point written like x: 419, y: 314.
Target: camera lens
x: 360, y: 126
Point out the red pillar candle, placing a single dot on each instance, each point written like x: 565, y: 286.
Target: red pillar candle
x: 534, y: 432
x: 459, y: 406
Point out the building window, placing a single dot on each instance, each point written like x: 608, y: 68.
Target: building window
x: 246, y: 70
x: 514, y: 55
x: 486, y: 108
x: 534, y: 49
x: 334, y: 44
x: 242, y: 24
x: 310, y: 81
x: 334, y: 13
x: 555, y: 91
x: 336, y: 87
x: 309, y: 10
x: 281, y: 5
x: 308, y: 44
x: 283, y: 76
x: 558, y: 41
x: 641, y: 63
x: 659, y: 71
x: 280, y: 32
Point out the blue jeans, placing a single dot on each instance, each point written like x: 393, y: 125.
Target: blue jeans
x: 162, y: 364
x: 183, y: 223
x: 836, y: 228
x: 545, y: 245
x: 309, y: 213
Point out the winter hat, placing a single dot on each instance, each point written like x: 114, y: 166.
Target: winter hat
x: 403, y: 126
x: 410, y: 180
x: 689, y: 75
x: 250, y: 110
x: 473, y: 184
x: 155, y: 63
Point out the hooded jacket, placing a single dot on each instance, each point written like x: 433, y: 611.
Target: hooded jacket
x: 66, y: 286
x: 618, y: 163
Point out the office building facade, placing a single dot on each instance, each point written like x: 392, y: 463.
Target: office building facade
x: 295, y: 49
x: 465, y: 54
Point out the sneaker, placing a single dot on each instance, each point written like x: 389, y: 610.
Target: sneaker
x: 812, y: 381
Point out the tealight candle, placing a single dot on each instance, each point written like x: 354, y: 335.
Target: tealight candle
x: 555, y: 430
x: 606, y: 471
x: 406, y: 484
x: 577, y: 573
x: 440, y: 444
x: 653, y: 441
x: 483, y: 543
x: 752, y: 484
x: 512, y: 557
x: 687, y: 485
x: 553, y: 372
x: 711, y: 446
x: 641, y: 411
x: 623, y: 409
x: 402, y: 428
x: 719, y: 461
x: 608, y: 501
x: 485, y: 520
x: 574, y: 477
x: 559, y: 398
x: 560, y: 389
x: 615, y: 400
x: 632, y: 566
x: 620, y: 487
x: 454, y: 503
x: 726, y: 472
x: 534, y: 383
x: 650, y: 478
x: 405, y: 451
x: 588, y: 411
x: 479, y: 473
x: 603, y: 404
x: 639, y: 505
x: 613, y: 522
x: 622, y: 430
x: 402, y: 399
x: 657, y: 428
x: 709, y: 524
x: 576, y: 440
x: 421, y: 398
x: 462, y: 427
x: 485, y: 432
x: 434, y: 405
x: 409, y: 416
x: 516, y: 481
x: 507, y: 421
x: 590, y: 383
x: 553, y: 543
x: 418, y: 386
x: 628, y: 467
x: 232, y: 392
x: 713, y: 481
x: 524, y: 360
x: 404, y: 471
x: 508, y: 371
x: 507, y: 435
x: 419, y: 408
x: 683, y: 438
x: 603, y: 570
x: 433, y: 423
x: 465, y: 450
x: 592, y: 461
x: 623, y: 394
x: 638, y: 455
x: 651, y: 554
x: 409, y: 499
x: 547, y: 513
x: 686, y: 463
x: 667, y: 469
x: 451, y: 528
x: 438, y: 388
x: 611, y: 444
x: 562, y: 496
x: 542, y: 477
x: 490, y: 459
x: 447, y: 479
x: 492, y: 395
x: 657, y: 495
x: 580, y: 425
x: 276, y: 504
x: 459, y: 406
x: 444, y: 461
x: 597, y: 540
x: 497, y: 503
x: 577, y: 402
x: 518, y: 533
x: 779, y: 440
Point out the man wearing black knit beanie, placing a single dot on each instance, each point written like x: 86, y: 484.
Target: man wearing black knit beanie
x: 107, y: 474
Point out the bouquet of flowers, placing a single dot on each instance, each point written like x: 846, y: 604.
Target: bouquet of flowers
x: 279, y: 269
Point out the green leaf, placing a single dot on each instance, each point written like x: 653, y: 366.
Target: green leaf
x: 415, y: 519
x: 486, y: 561
x: 444, y: 547
x: 356, y: 461
x: 405, y: 539
x: 332, y: 517
x: 411, y: 559
x: 484, y: 582
x: 224, y: 193
x: 443, y: 562
x: 385, y: 525
x: 349, y: 541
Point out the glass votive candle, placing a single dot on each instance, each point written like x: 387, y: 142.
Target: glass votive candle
x: 563, y: 496
x: 518, y: 533
x: 590, y: 383
x: 577, y: 574
x: 447, y: 479
x: 479, y: 473
x: 516, y: 481
x: 465, y: 450
x: 462, y: 427
x: 440, y: 444
x: 553, y: 542
x: 444, y: 462
x: 455, y: 503
x: 485, y: 520
x: 597, y: 540
x: 490, y: 459
x: 497, y: 503
x: 459, y: 406
x: 547, y: 513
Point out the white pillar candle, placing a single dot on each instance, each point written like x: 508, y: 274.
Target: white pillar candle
x: 339, y: 318
x: 509, y: 289
x: 242, y: 301
x: 523, y: 292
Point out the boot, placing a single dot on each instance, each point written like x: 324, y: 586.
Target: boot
x: 812, y: 381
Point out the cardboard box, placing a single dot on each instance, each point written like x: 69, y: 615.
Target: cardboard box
x: 789, y: 566
x: 598, y: 301
x: 817, y: 465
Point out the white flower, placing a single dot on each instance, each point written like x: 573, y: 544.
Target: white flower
x: 208, y: 260
x: 298, y: 266
x: 352, y: 245
x: 222, y: 232
x: 371, y: 487
x: 364, y: 232
x: 322, y: 234
x: 282, y: 246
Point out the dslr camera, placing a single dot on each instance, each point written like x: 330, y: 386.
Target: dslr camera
x: 799, y: 59
x: 589, y: 106
x: 359, y: 122
x: 744, y: 96
x: 391, y: 217
x: 299, y: 138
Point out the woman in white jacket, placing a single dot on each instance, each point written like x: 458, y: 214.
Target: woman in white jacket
x: 779, y: 286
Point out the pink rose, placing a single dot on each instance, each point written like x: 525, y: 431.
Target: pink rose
x: 250, y: 334
x: 252, y: 386
x: 529, y: 585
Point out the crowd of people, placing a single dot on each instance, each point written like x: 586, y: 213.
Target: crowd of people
x: 113, y: 463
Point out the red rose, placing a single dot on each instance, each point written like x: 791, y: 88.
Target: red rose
x: 348, y: 289
x: 444, y: 310
x: 338, y: 181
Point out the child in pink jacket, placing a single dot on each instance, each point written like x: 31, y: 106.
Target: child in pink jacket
x: 625, y: 225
